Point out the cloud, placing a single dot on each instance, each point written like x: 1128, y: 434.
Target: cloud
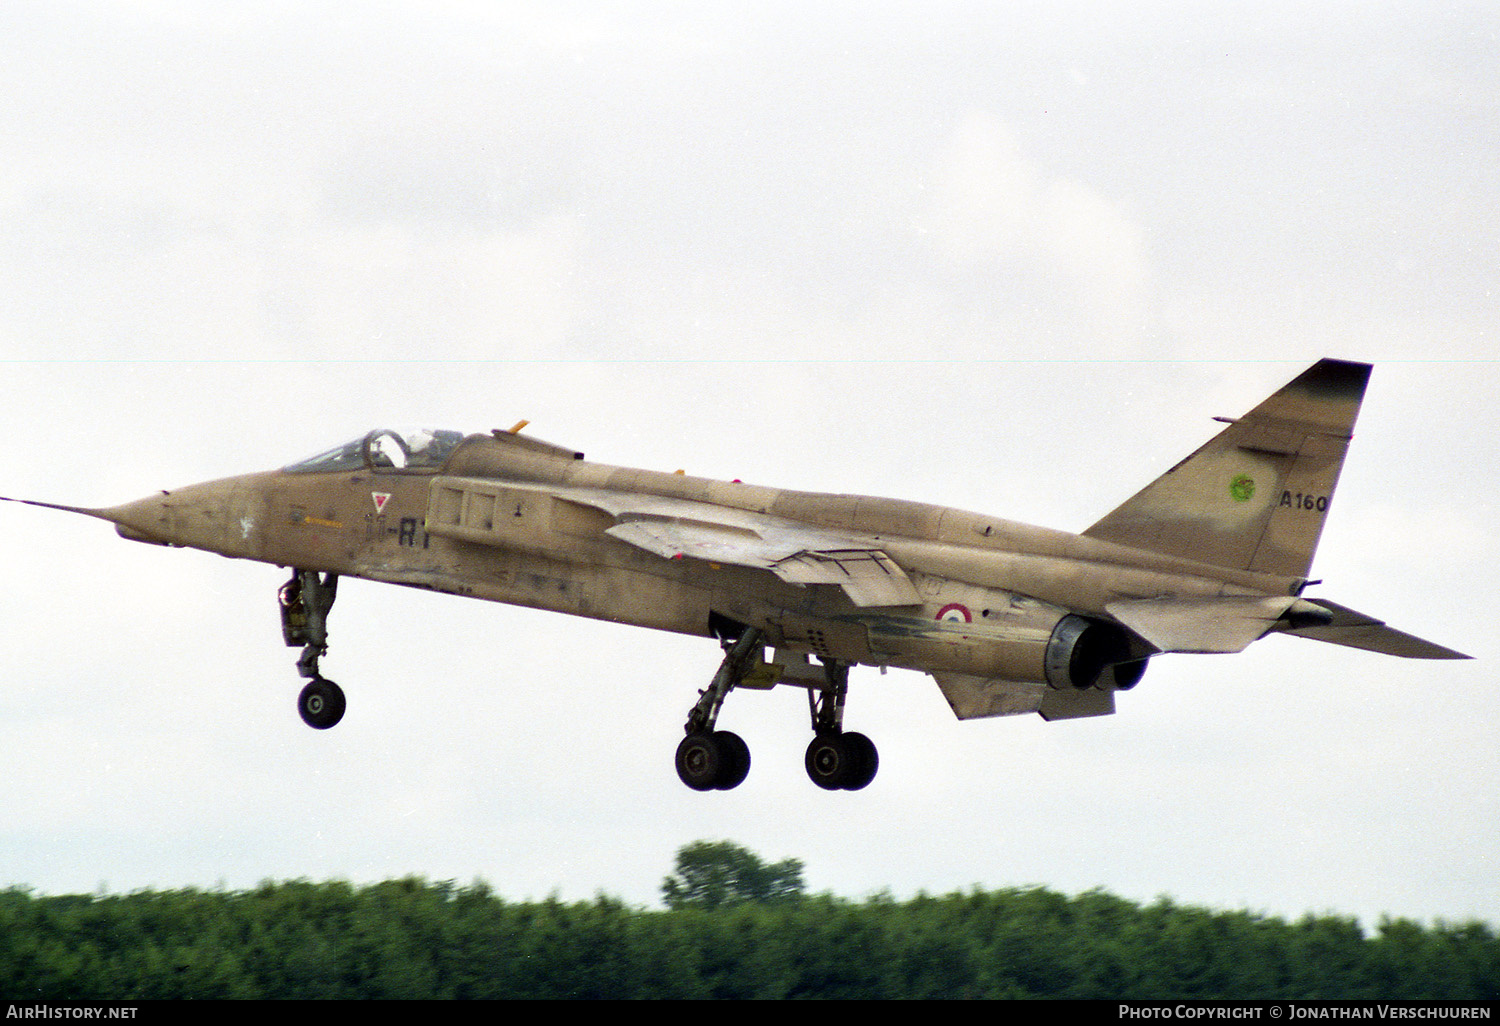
x: 991, y: 207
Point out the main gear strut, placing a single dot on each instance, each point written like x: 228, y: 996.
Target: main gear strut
x: 709, y: 759
x: 837, y: 760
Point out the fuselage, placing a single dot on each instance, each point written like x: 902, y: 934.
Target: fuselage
x: 494, y: 521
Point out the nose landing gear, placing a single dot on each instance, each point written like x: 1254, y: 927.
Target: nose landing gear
x: 305, y: 601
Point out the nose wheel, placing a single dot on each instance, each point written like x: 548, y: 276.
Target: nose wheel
x: 321, y: 703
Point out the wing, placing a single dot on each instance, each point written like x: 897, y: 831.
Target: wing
x: 482, y: 510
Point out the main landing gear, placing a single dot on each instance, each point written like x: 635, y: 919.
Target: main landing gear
x: 305, y: 601
x: 837, y: 760
x: 718, y: 760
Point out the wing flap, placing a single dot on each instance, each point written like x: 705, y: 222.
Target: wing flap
x: 868, y: 576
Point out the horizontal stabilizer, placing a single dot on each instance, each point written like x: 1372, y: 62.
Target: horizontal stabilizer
x: 1356, y: 630
x: 1210, y: 624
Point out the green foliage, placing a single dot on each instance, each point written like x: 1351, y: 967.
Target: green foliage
x: 757, y: 936
x: 713, y: 874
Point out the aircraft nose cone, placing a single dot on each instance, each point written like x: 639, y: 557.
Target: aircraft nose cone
x: 199, y: 516
x: 145, y: 520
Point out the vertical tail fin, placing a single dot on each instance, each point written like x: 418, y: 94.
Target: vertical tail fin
x: 1256, y: 495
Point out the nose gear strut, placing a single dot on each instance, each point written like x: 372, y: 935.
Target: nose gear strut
x: 305, y: 601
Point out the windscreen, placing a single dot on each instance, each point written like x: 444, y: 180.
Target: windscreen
x: 384, y: 449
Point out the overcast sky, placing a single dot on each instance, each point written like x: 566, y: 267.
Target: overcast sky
x: 1005, y: 260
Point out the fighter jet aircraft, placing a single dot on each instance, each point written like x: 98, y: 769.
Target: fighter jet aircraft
x: 800, y: 586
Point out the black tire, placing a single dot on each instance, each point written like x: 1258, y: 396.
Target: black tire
x: 700, y: 761
x: 864, y: 761
x: 321, y: 703
x: 736, y: 759
x: 828, y: 762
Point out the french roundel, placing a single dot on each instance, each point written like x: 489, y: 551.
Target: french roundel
x: 953, y: 612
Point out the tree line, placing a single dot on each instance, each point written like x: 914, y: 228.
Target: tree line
x: 735, y: 927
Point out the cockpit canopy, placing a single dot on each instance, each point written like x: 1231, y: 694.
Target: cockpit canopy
x: 384, y: 449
